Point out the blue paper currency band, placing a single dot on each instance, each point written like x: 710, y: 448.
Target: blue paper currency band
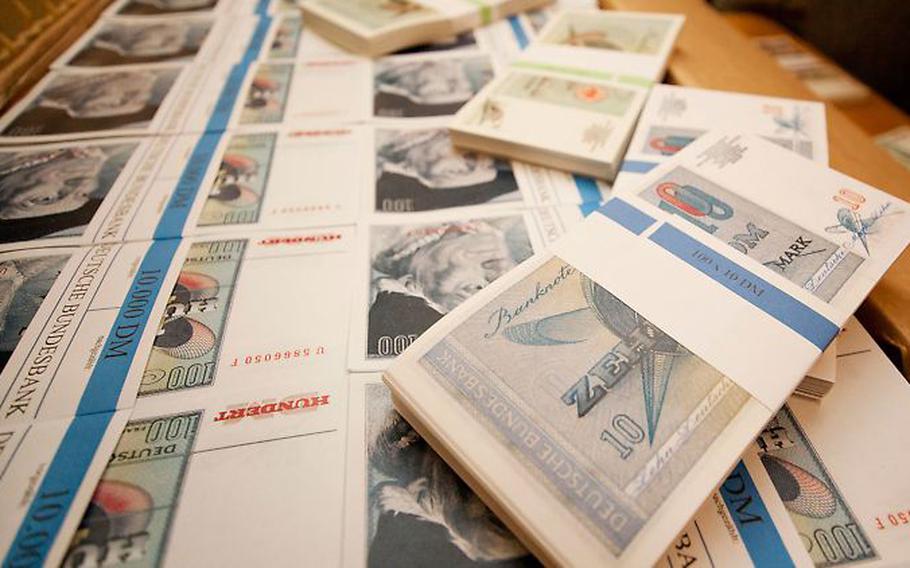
x: 519, y: 32
x: 588, y: 208
x: 258, y: 38
x: 181, y: 202
x: 174, y: 217
x: 220, y: 117
x: 603, y: 507
x: 54, y: 497
x: 756, y: 528
x: 802, y: 319
x: 106, y: 381
x: 222, y: 113
x: 637, y: 167
x: 626, y: 215
x: 587, y: 189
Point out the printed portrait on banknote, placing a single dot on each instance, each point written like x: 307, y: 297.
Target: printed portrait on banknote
x: 420, y: 272
x: 55, y: 192
x: 428, y: 87
x: 134, y: 503
x: 287, y: 38
x: 150, y: 7
x: 419, y: 170
x: 237, y: 192
x: 459, y: 41
x: 825, y: 522
x: 419, y: 512
x: 130, y: 42
x: 267, y: 94
x: 186, y: 347
x: 24, y: 282
x: 86, y: 102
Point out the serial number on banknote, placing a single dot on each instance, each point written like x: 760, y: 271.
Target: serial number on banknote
x: 892, y: 519
x: 316, y: 208
x: 275, y: 356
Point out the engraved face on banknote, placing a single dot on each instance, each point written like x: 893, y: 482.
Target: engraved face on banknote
x: 419, y: 512
x: 128, y: 42
x: 377, y: 14
x: 24, y: 283
x: 608, y: 31
x: 419, y: 170
x: 824, y: 520
x: 438, y: 87
x: 462, y: 40
x: 85, y: 102
x: 130, y: 512
x: 287, y: 38
x: 267, y: 95
x: 56, y: 191
x: 791, y: 251
x: 421, y: 272
x: 151, y: 7
x: 237, y: 192
x: 185, y: 351
x: 605, y: 408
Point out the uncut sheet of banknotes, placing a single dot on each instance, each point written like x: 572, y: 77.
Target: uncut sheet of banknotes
x: 258, y: 305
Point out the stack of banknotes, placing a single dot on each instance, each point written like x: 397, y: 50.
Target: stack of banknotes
x: 897, y: 143
x: 571, y: 99
x: 826, y: 80
x: 613, y: 379
x: 376, y: 28
x: 675, y: 116
x: 218, y: 228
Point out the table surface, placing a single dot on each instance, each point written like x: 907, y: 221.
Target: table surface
x: 873, y: 113
x: 38, y: 39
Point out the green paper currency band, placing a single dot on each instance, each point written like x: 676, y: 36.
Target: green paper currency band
x: 588, y: 73
x: 486, y: 11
